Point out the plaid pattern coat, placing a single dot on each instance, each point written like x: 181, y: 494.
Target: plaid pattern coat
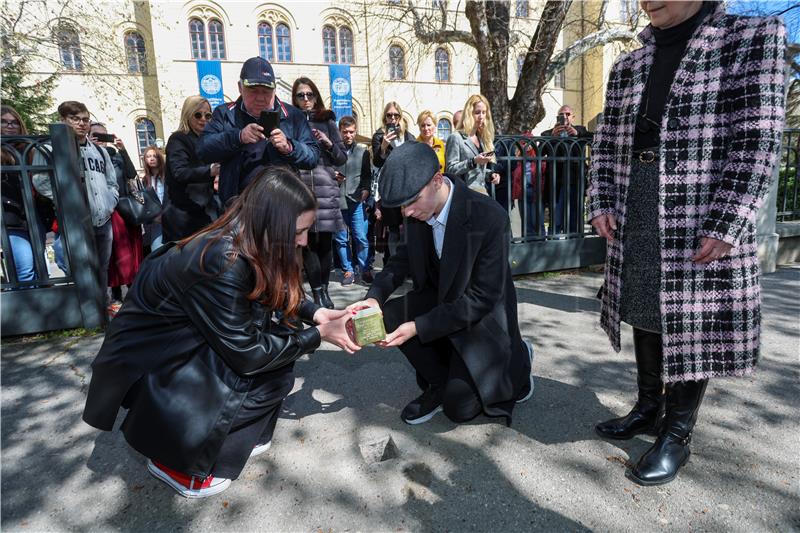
x: 720, y: 136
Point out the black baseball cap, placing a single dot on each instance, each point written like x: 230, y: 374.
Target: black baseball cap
x: 257, y: 71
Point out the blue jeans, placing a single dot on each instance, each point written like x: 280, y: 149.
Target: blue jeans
x: 355, y: 217
x: 23, y: 254
x: 103, y: 238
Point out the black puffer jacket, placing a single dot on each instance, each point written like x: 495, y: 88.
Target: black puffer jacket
x: 183, y: 351
x: 322, y: 179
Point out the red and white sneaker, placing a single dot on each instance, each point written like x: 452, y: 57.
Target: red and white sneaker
x: 258, y: 449
x: 188, y: 486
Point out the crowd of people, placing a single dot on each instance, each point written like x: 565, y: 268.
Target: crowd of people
x: 258, y: 191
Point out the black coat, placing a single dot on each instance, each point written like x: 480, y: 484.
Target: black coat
x: 183, y: 352
x: 477, y: 308
x: 190, y: 203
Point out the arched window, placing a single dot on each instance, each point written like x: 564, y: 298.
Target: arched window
x: 145, y: 134
x: 520, y: 63
x: 329, y: 44
x: 69, y: 48
x: 442, y: 65
x: 216, y: 39
x: 266, y: 49
x: 197, y: 37
x: 522, y: 8
x: 346, y: 45
x: 284, y: 40
x: 135, y: 53
x: 443, y: 129
x: 397, y: 63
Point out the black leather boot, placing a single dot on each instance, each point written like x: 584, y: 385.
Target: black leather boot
x: 660, y: 464
x: 646, y: 413
x: 326, y: 299
x: 316, y: 293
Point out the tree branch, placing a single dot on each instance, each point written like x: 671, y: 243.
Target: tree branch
x: 581, y: 46
x: 427, y: 35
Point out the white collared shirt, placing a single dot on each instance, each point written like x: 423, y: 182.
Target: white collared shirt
x: 438, y: 223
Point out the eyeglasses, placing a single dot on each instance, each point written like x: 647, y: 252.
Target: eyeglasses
x: 79, y: 120
x: 392, y: 115
x: 10, y: 123
x: 200, y: 115
x: 305, y: 96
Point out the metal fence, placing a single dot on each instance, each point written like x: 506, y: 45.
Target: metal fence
x: 788, y: 201
x: 35, y: 295
x: 543, y: 187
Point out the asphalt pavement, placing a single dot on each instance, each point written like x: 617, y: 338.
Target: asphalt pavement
x: 548, y: 471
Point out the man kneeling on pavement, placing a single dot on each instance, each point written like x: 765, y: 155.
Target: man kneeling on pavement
x: 458, y: 326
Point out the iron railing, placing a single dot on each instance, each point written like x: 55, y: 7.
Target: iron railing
x: 543, y: 188
x: 47, y: 301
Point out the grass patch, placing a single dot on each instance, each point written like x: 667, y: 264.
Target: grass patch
x: 55, y: 335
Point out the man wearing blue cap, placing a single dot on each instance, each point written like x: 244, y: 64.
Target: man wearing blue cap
x: 458, y: 326
x: 234, y: 138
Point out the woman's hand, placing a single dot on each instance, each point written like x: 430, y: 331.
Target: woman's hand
x: 322, y: 138
x: 387, y: 139
x: 711, y: 250
x: 325, y: 315
x: 481, y: 159
x: 605, y: 225
x: 369, y: 302
x: 495, y: 179
x: 119, y: 144
x: 335, y: 332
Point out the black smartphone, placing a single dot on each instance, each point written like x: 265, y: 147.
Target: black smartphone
x: 269, y: 120
x: 561, y: 120
x: 104, y: 137
x: 488, y: 154
x: 391, y: 127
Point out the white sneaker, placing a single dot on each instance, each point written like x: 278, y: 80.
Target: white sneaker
x: 188, y: 486
x: 258, y: 449
x: 530, y: 392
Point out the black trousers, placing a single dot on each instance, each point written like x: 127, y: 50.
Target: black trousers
x: 437, y: 364
x: 255, y: 421
x: 318, y: 258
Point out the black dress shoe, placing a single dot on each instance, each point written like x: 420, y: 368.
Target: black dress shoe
x: 424, y: 407
x: 527, y: 391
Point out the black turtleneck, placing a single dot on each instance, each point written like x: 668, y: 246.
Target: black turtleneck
x: 670, y: 47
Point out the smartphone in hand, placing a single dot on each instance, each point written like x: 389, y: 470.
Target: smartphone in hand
x: 104, y: 137
x: 268, y: 120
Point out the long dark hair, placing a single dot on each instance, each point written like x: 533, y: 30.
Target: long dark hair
x: 262, y: 222
x: 320, y: 112
x: 150, y: 175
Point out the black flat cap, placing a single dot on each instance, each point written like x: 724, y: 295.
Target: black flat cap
x: 408, y: 169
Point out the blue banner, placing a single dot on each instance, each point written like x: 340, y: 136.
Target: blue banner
x: 341, y: 91
x: 209, y: 78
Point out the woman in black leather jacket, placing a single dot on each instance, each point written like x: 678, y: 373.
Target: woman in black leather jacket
x: 203, y: 349
x: 191, y: 203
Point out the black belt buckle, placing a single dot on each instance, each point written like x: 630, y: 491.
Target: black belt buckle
x: 647, y: 156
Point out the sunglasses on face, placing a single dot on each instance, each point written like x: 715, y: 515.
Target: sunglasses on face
x: 200, y: 115
x: 305, y: 96
x: 10, y: 123
x: 392, y: 115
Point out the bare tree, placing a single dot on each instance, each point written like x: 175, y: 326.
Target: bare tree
x: 489, y: 33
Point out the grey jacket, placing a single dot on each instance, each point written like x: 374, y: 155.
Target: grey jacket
x: 99, y: 177
x: 358, y: 171
x: 322, y: 178
x: 458, y: 155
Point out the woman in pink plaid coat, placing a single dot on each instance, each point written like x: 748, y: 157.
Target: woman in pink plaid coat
x: 683, y: 157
